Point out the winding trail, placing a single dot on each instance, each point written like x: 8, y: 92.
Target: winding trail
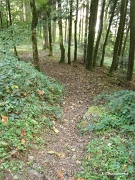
x: 60, y: 157
x: 82, y: 86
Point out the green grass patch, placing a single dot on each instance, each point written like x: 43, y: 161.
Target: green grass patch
x: 29, y: 101
x: 111, y: 152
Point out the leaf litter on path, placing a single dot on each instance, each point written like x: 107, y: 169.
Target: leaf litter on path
x: 61, y: 157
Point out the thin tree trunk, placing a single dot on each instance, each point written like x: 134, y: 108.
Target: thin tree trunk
x: 99, y: 33
x: 54, y: 31
x: 119, y: 34
x: 10, y: 21
x: 91, y: 36
x: 123, y: 48
x: 107, y: 34
x: 66, y: 27
x: 75, y: 34
x: 45, y: 32
x: 121, y: 39
x: 125, y: 40
x: 86, y: 30
x: 34, y: 36
x: 62, y: 49
x: 132, y: 41
x: 82, y: 26
x: 80, y: 23
x: 24, y: 10
x: 54, y: 22
x: 50, y: 35
x: 70, y: 32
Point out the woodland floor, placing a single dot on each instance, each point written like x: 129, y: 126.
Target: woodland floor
x: 66, y: 148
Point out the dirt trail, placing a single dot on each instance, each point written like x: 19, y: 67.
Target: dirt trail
x: 66, y: 148
x: 82, y: 86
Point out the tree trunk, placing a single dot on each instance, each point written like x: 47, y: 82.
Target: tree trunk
x: 107, y: 34
x: 86, y: 30
x: 62, y: 49
x: 91, y: 36
x: 99, y: 33
x: 45, y: 32
x: 119, y: 34
x: 70, y: 32
x: 75, y: 34
x: 80, y: 23
x: 10, y: 21
x: 121, y: 39
x: 82, y: 26
x: 66, y: 27
x: 34, y: 36
x: 132, y: 41
x: 125, y: 40
x: 50, y: 34
x: 24, y: 10
x: 54, y: 22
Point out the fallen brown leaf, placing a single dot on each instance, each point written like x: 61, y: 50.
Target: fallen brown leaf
x: 41, y: 92
x: 23, y: 133
x: 4, y: 119
x: 62, y: 155
x: 89, y: 157
x: 60, y: 175
x: 23, y: 141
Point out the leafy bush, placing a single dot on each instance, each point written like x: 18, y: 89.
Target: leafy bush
x: 121, y: 111
x: 29, y: 101
x: 111, y: 153
x: 13, y: 36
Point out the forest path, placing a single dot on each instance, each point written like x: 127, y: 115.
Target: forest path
x: 59, y: 157
x: 67, y: 148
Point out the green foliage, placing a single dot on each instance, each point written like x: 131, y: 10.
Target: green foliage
x: 13, y: 36
x: 112, y: 150
x: 109, y: 157
x: 121, y: 111
x: 30, y: 101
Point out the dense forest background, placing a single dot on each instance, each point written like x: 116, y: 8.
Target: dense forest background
x: 101, y: 31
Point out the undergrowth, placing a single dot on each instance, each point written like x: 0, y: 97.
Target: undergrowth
x: 29, y: 101
x: 111, y: 153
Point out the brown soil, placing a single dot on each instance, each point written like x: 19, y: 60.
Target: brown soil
x: 60, y: 157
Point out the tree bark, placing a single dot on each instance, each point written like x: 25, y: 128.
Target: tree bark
x: 132, y: 41
x: 50, y: 34
x: 82, y: 26
x: 54, y: 22
x: 62, y: 49
x: 99, y: 33
x: 10, y: 21
x: 91, y: 36
x: 75, y: 34
x: 122, y: 34
x: 70, y: 32
x: 86, y: 30
x: 107, y: 34
x: 119, y: 34
x: 66, y: 27
x: 34, y: 36
x: 125, y: 40
x: 45, y: 32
